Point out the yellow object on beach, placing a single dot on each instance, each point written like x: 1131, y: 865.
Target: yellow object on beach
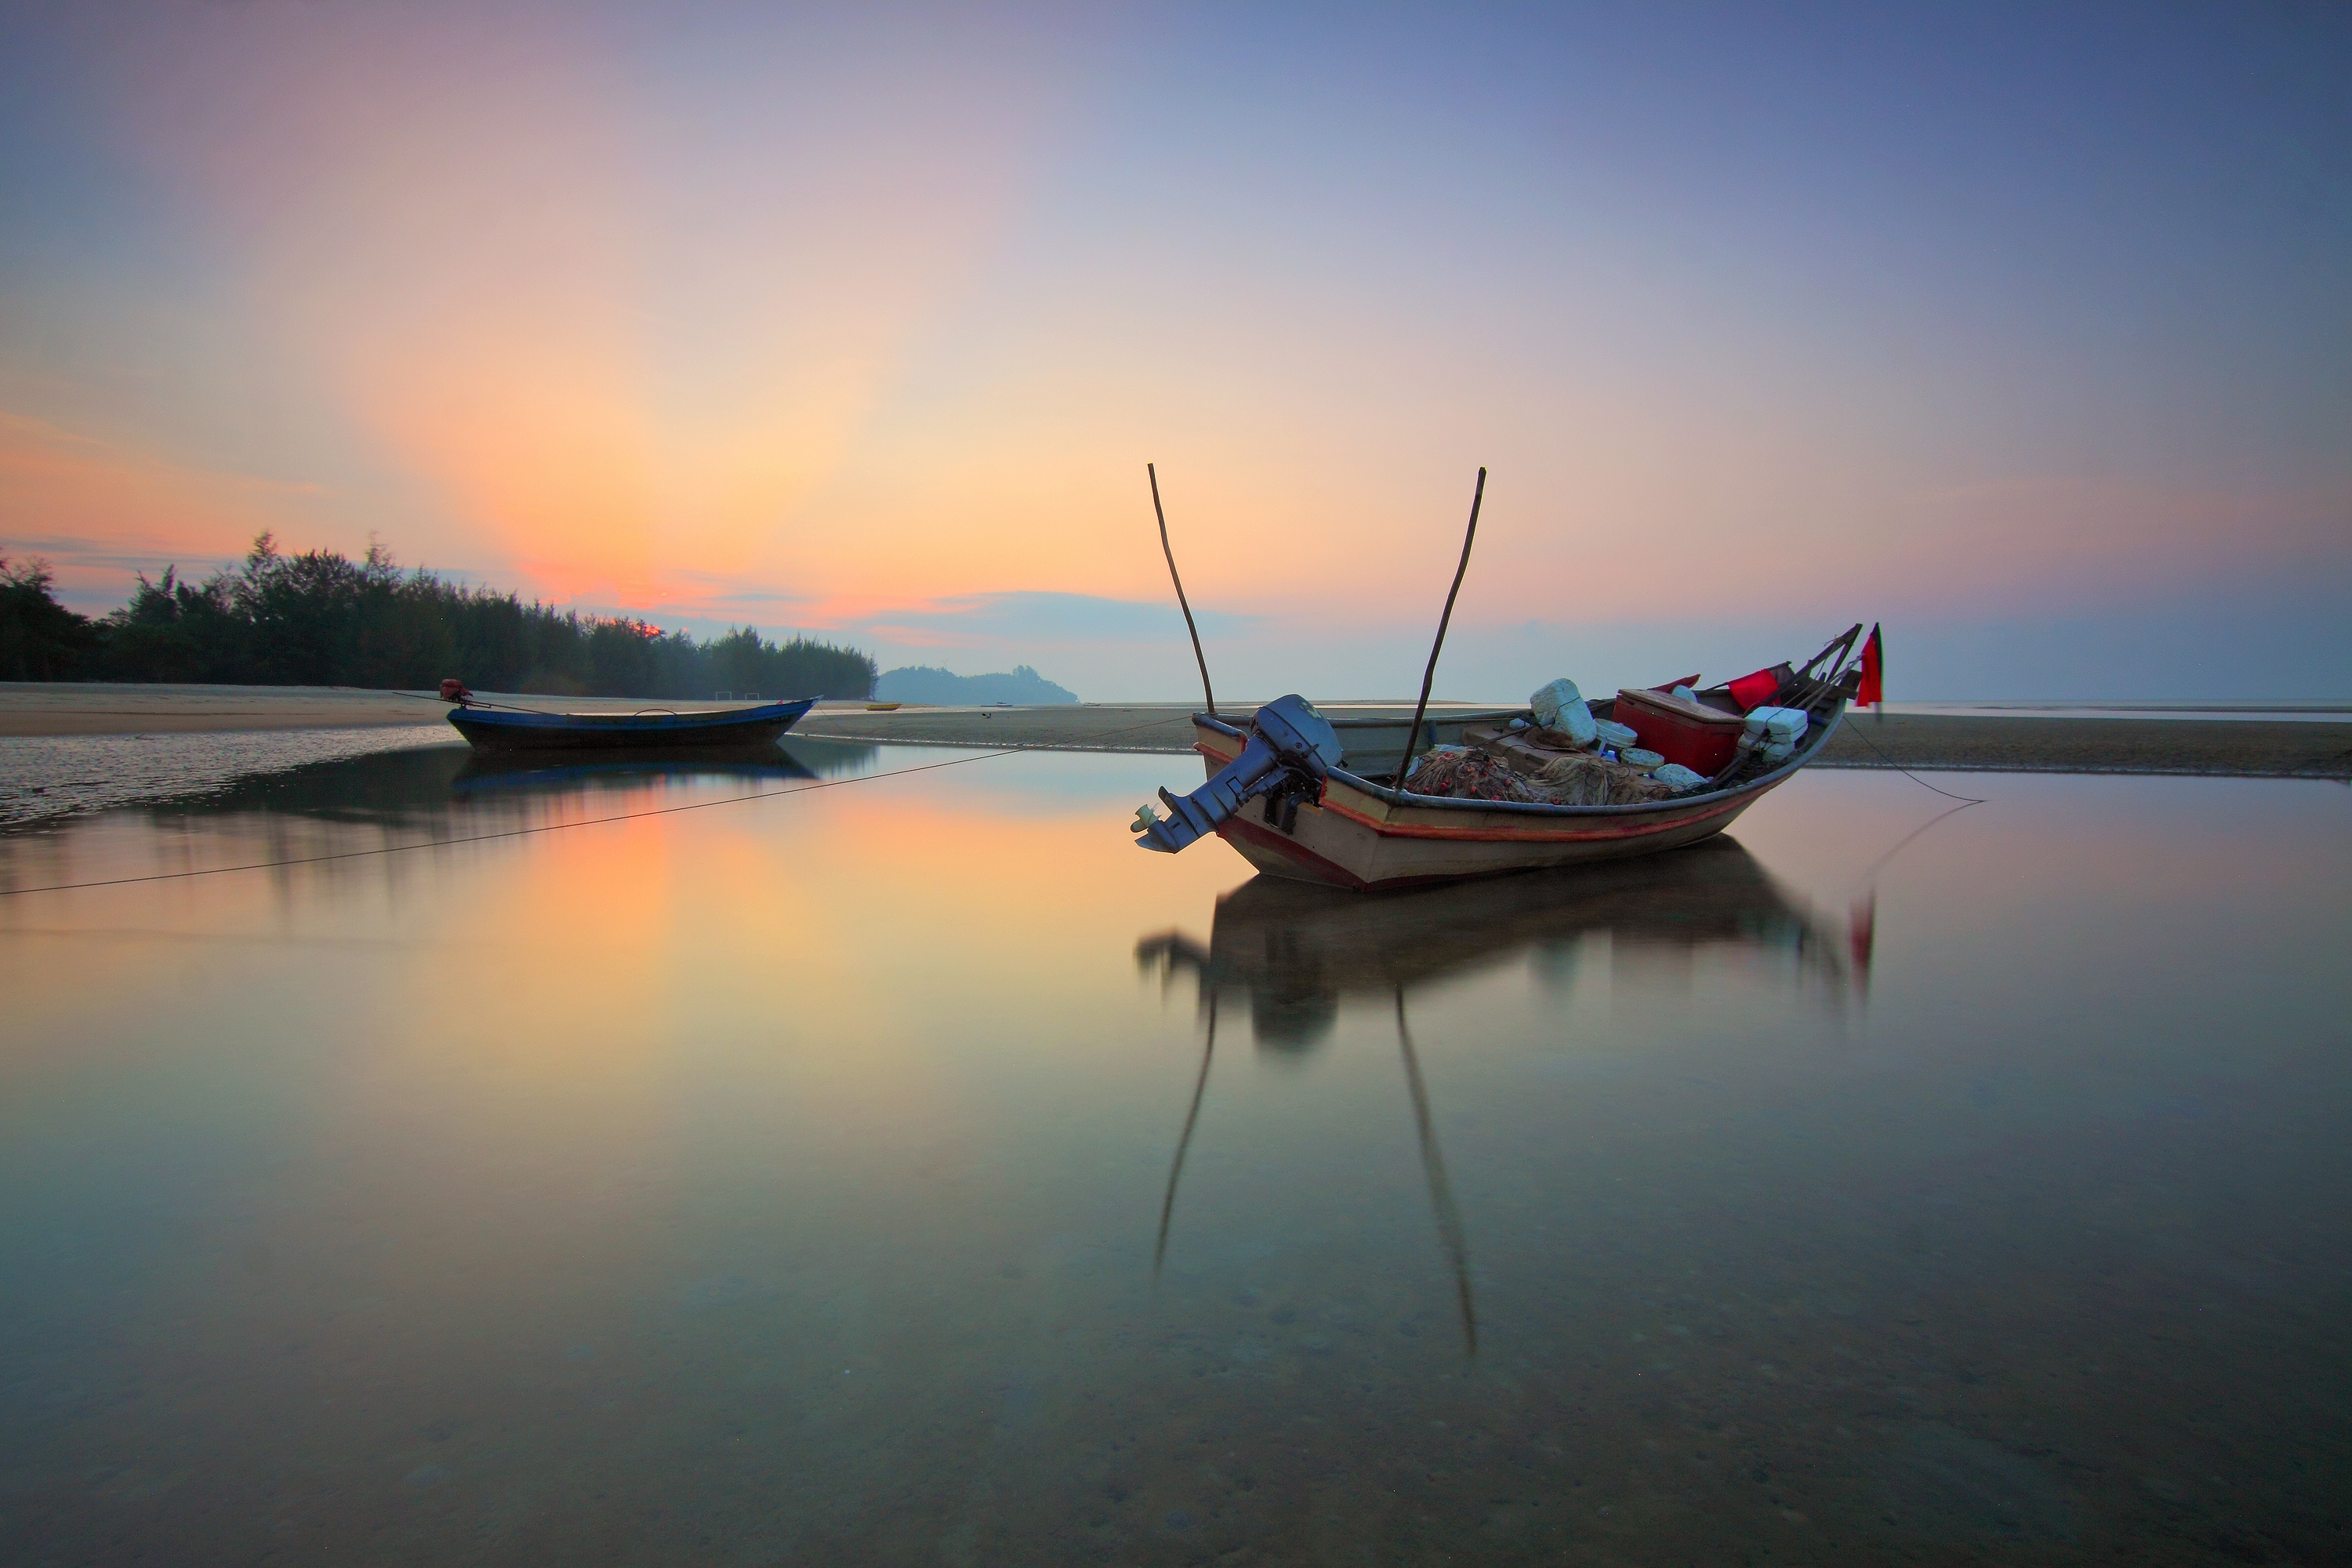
x: 881, y: 707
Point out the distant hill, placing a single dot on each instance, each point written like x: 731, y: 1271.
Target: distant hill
x: 1025, y: 688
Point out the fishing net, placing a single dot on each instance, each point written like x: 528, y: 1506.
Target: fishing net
x: 1572, y: 778
x: 1581, y: 778
x: 1460, y: 775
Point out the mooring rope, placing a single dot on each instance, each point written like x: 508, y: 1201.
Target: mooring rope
x: 1906, y: 773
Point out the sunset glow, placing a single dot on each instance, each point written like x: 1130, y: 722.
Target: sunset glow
x: 866, y: 328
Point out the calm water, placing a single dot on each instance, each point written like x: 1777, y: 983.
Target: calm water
x: 791, y: 1180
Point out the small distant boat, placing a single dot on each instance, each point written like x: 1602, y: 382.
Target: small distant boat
x: 648, y: 730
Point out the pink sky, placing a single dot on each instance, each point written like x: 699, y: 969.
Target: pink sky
x: 868, y: 328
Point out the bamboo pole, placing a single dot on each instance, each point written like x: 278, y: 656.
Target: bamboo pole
x: 1198, y: 656
x: 1412, y: 736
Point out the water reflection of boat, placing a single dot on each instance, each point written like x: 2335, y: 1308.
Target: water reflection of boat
x: 421, y: 784
x: 617, y: 769
x: 1452, y: 1236
x: 1295, y: 950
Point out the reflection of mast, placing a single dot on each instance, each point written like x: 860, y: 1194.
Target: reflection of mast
x: 1862, y: 923
x: 1441, y: 1191
x: 1861, y: 937
x: 1184, y: 1141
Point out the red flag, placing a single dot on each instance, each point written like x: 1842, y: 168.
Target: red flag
x: 1871, y: 691
x: 1757, y: 690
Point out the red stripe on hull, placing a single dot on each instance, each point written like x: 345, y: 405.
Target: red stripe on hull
x: 1642, y: 829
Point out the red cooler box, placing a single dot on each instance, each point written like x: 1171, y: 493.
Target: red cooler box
x: 1700, y: 737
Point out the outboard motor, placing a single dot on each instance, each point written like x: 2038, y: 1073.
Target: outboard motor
x: 1287, y: 758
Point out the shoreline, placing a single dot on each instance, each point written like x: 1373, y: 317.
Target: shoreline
x: 30, y: 710
x: 2196, y: 748
x: 2246, y: 746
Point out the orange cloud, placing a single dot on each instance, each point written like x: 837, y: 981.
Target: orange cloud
x: 827, y: 323
x: 94, y: 505
x: 630, y: 370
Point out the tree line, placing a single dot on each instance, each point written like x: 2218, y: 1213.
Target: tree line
x: 322, y: 619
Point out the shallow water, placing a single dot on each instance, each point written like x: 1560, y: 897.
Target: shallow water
x: 791, y: 1178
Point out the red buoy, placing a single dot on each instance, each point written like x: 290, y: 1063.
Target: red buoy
x: 453, y: 690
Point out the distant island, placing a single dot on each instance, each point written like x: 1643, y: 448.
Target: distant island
x: 1025, y: 688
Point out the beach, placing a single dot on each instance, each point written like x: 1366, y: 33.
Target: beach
x: 2041, y: 742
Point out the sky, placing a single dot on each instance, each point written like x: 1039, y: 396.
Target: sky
x: 2026, y: 331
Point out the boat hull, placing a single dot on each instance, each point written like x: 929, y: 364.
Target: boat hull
x: 1366, y: 838
x: 732, y: 729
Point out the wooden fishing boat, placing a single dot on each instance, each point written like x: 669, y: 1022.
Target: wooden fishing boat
x: 648, y: 730
x: 1323, y: 821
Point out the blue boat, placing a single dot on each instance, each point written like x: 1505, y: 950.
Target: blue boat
x: 648, y: 730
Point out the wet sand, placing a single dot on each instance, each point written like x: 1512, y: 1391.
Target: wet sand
x: 2243, y: 747
x: 1972, y: 742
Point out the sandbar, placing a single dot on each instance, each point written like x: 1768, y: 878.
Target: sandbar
x: 2244, y: 748
x: 122, y: 708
